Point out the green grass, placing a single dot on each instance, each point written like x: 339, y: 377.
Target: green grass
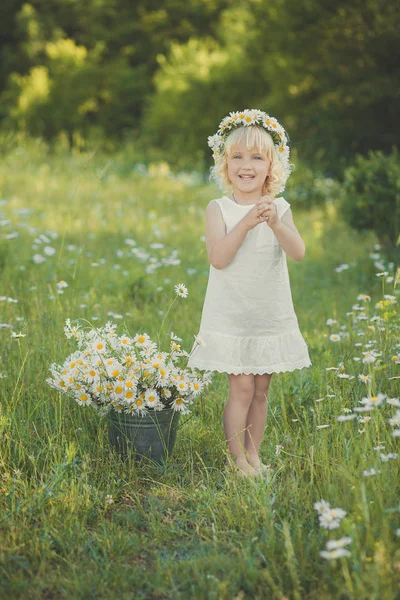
x: 76, y: 521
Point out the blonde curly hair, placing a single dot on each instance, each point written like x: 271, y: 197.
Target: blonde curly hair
x: 256, y: 137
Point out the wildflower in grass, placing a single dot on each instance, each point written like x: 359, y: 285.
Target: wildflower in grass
x: 335, y: 337
x: 364, y: 297
x: 181, y: 290
x: 17, y: 335
x: 368, y: 357
x: 330, y: 322
x: 38, y: 259
x: 346, y: 417
x: 371, y: 472
x: 345, y: 376
x: 321, y: 505
x: 396, y: 433
x: 331, y: 517
x: 331, y: 554
x: 374, y: 400
x: 322, y: 426
x: 395, y: 358
x: 387, y: 457
x: 341, y: 267
x: 49, y: 250
x: 319, y: 399
x: 383, y: 274
x: 395, y: 420
x: 363, y: 419
x: 364, y: 378
x: 109, y: 499
x: 334, y: 544
x: 331, y: 368
x: 62, y: 284
x: 393, y: 401
x: 278, y: 449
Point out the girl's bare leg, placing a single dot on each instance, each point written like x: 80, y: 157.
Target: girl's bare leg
x: 256, y: 418
x: 241, y: 392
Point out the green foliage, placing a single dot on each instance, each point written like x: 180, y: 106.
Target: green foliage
x: 371, y: 197
x: 79, y: 522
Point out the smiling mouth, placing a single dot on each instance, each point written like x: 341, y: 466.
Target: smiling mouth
x: 246, y: 176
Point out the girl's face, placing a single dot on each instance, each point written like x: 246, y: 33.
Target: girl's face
x: 247, y: 168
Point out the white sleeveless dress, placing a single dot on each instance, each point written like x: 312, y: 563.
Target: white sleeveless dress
x: 248, y: 324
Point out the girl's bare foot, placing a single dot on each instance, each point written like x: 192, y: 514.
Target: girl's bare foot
x: 258, y: 466
x: 243, y: 468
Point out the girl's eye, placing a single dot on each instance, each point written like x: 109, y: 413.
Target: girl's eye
x: 259, y: 157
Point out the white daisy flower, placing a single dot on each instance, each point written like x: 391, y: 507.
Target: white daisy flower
x: 393, y: 401
x: 49, y: 250
x: 142, y: 339
x: 387, y: 457
x: 346, y: 417
x: 151, y: 398
x: 395, y: 420
x: 364, y: 378
x: 334, y: 544
x: 371, y: 472
x: 321, y: 505
x: 374, y: 400
x: 335, y: 337
x: 181, y: 290
x: 38, y: 258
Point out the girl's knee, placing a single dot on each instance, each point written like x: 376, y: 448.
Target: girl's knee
x: 261, y: 385
x: 241, y: 383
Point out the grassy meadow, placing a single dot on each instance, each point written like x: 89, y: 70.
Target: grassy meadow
x: 78, y: 522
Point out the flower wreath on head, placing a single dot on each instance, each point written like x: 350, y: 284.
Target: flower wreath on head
x: 246, y: 118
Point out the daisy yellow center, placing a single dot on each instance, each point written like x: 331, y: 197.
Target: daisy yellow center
x: 129, y: 395
x: 129, y: 384
x: 84, y: 397
x: 99, y: 346
x: 115, y: 373
x: 92, y: 373
x: 139, y: 402
x: 179, y: 401
x: 141, y: 339
x: 118, y: 389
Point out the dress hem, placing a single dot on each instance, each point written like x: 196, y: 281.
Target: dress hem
x: 253, y: 370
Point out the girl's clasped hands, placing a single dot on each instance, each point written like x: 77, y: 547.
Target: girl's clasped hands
x: 266, y: 208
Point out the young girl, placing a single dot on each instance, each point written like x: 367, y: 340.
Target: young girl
x: 249, y: 327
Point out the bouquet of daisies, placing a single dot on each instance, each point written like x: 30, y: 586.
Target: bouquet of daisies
x: 127, y: 374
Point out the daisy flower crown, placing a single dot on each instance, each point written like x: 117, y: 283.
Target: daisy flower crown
x: 246, y: 118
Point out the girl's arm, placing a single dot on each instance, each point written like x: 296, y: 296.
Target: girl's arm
x: 222, y: 247
x: 288, y: 236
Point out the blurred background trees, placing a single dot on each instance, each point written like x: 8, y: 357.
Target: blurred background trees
x: 168, y: 71
x: 162, y: 74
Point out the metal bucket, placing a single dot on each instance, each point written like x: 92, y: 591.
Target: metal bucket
x: 152, y: 435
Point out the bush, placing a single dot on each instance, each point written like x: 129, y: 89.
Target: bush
x: 370, y: 197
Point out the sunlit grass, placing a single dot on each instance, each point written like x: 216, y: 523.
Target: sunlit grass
x: 76, y: 521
